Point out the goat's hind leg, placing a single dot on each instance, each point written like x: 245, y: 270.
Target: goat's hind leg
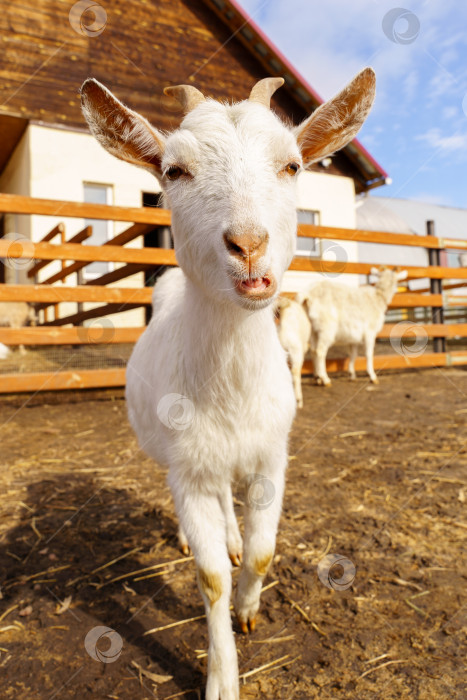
x: 234, y: 539
x: 369, y: 352
x: 263, y: 503
x: 320, y: 355
x: 353, y: 351
x: 183, y: 542
x: 203, y: 522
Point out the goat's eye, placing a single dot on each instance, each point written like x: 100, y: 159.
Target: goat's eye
x: 174, y: 172
x: 292, y: 168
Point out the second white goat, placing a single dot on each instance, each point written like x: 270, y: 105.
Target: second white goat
x: 342, y: 315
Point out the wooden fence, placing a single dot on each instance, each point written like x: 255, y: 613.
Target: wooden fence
x: 67, y: 329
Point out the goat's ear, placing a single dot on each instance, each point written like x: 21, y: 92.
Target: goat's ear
x: 402, y: 275
x: 335, y: 123
x: 122, y: 132
x: 375, y: 271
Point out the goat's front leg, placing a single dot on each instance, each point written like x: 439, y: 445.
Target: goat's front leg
x: 263, y: 503
x: 202, y: 521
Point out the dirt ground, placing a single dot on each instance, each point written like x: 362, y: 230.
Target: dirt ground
x: 88, y: 538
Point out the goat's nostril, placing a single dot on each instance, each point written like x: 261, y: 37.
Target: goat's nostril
x: 235, y: 248
x: 246, y: 245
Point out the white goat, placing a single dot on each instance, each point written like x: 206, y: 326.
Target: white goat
x: 294, y: 333
x: 16, y: 314
x: 211, y: 349
x: 340, y: 314
x: 4, y: 351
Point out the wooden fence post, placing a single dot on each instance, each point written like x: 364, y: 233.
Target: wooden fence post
x: 436, y: 287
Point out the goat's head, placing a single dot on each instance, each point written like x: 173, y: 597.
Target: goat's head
x: 229, y: 175
x: 388, y: 279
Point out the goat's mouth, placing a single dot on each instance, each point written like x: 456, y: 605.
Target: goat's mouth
x: 256, y: 287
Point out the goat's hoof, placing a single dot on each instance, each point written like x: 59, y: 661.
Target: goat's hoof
x: 185, y: 550
x: 249, y: 626
x: 299, y: 404
x: 375, y: 380
x: 236, y: 559
x: 352, y: 378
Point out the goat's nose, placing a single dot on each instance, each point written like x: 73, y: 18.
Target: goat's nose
x: 250, y: 246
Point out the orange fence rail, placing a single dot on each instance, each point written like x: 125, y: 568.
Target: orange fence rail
x: 66, y: 329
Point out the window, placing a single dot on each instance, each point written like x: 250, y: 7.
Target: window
x: 159, y: 237
x: 308, y: 246
x: 101, y: 230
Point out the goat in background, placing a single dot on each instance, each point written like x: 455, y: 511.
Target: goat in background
x: 340, y: 314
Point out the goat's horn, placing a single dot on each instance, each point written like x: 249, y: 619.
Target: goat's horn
x: 264, y: 90
x: 188, y: 96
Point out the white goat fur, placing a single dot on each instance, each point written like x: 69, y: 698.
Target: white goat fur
x: 4, y: 351
x: 16, y: 314
x: 340, y: 314
x: 213, y: 343
x: 294, y: 333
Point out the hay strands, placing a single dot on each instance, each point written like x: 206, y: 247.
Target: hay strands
x: 24, y: 579
x: 415, y: 607
x: 154, y: 677
x: 7, y: 612
x: 376, y: 668
x: 268, y: 666
x: 302, y: 612
x: 105, y: 566
x: 147, y: 568
x: 173, y: 624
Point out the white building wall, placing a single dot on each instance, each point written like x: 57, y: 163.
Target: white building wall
x: 61, y: 161
x: 15, y: 179
x: 333, y: 196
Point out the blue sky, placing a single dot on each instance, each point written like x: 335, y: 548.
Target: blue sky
x: 417, y: 129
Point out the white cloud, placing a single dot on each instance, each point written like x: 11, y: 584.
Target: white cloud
x: 448, y: 144
x: 430, y: 198
x: 450, y: 112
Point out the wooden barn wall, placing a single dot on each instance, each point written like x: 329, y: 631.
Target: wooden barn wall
x: 145, y: 46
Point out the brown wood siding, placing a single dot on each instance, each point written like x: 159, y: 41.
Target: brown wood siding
x: 144, y: 47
